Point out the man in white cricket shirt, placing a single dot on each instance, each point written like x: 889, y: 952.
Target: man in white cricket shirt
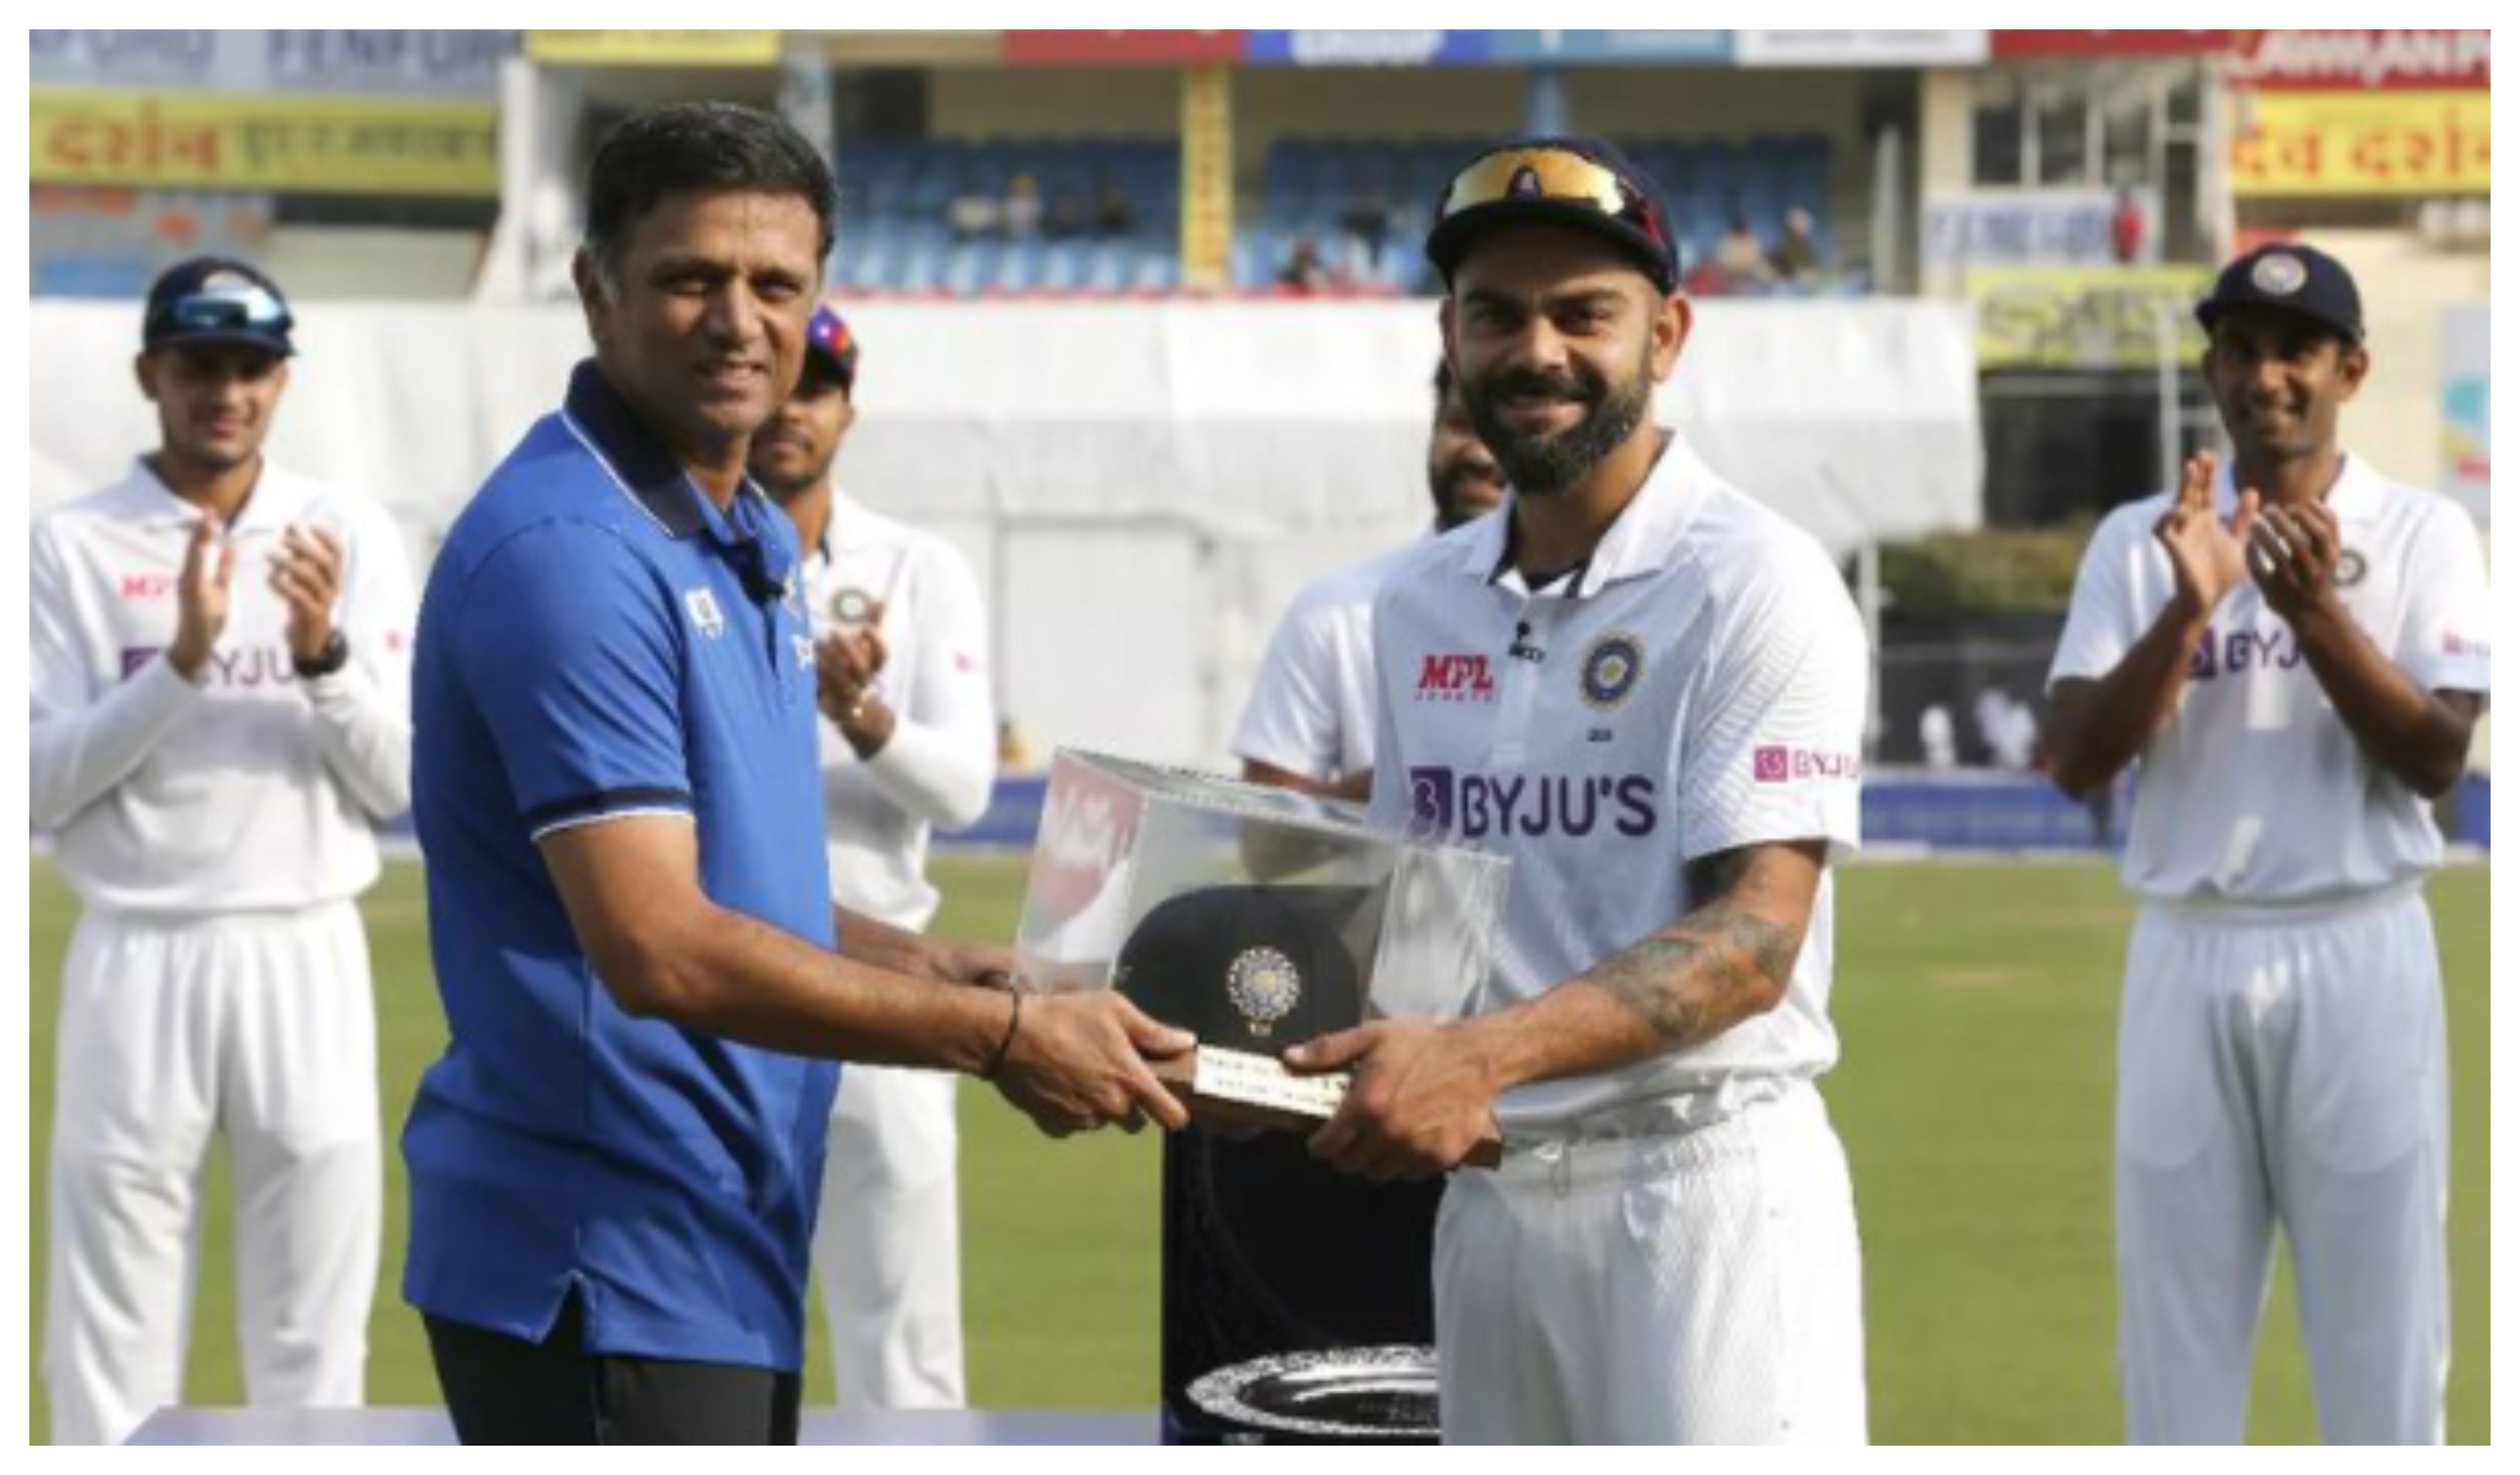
x: 909, y: 741
x: 1650, y: 691
x: 2292, y: 652
x: 1309, y: 722
x: 220, y: 657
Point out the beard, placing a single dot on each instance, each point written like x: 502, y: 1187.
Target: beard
x: 1549, y: 464
x: 792, y: 479
x: 1452, y: 484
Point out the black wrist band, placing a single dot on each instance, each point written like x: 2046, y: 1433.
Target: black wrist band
x: 1015, y: 1017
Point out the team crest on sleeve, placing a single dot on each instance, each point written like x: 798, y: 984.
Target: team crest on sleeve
x: 1261, y: 983
x: 1611, y: 668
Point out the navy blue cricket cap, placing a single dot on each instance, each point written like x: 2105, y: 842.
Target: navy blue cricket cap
x: 827, y: 337
x: 1577, y: 181
x: 210, y: 300
x: 1255, y: 968
x: 2289, y: 277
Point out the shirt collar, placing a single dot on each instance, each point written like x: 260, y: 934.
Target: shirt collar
x: 2356, y: 495
x: 276, y: 501
x: 1640, y: 541
x: 646, y: 471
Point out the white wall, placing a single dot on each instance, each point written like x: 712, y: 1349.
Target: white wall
x: 1141, y: 486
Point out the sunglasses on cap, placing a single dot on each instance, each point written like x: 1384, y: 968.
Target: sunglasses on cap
x: 223, y: 310
x: 1554, y: 174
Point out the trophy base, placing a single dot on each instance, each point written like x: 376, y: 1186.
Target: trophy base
x: 1240, y: 1091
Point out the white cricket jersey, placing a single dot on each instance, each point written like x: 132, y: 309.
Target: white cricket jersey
x: 2255, y: 792
x: 252, y: 790
x: 942, y: 759
x: 1699, y: 686
x: 1311, y: 710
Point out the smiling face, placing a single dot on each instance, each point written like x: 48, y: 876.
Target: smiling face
x: 2280, y: 381
x: 699, y: 320
x: 215, y: 402
x: 1557, y: 341
x: 793, y: 452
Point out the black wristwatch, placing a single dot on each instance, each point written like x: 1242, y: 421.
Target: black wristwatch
x: 334, y: 654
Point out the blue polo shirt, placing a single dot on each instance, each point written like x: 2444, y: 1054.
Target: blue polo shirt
x: 597, y: 640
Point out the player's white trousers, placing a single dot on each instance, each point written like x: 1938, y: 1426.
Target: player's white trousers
x: 263, y: 1028
x: 888, y: 1244
x: 2284, y: 1067
x: 1695, y: 1289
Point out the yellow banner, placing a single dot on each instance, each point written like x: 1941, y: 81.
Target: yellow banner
x: 313, y: 145
x: 2086, y: 317
x: 2364, y: 143
x: 655, y: 48
x: 1207, y: 178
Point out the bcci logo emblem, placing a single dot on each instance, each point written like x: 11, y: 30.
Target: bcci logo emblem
x: 2278, y: 274
x: 1263, y: 986
x: 2350, y: 566
x: 705, y: 615
x: 852, y: 607
x: 1611, y: 668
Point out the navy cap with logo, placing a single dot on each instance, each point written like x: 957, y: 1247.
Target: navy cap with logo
x: 2289, y: 277
x: 827, y: 337
x: 1255, y: 968
x: 1577, y: 181
x: 209, y: 299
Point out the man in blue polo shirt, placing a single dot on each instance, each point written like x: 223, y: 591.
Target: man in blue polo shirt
x: 613, y: 1168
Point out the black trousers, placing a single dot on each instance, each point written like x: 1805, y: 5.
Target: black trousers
x: 504, y: 1390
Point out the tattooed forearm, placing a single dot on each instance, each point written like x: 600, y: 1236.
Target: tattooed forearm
x: 1717, y: 967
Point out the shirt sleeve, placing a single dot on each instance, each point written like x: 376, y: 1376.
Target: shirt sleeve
x: 941, y: 763
x: 1291, y: 719
x: 363, y: 711
x: 571, y: 648
x: 2101, y: 623
x: 86, y: 737
x: 2447, y: 643
x: 1773, y: 753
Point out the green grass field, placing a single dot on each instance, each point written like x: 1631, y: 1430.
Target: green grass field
x: 1978, y: 1005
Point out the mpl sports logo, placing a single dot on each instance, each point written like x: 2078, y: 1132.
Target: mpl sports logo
x: 1530, y: 806
x: 1777, y: 763
x: 1456, y: 678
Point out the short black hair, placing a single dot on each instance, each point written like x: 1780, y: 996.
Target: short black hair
x: 700, y: 146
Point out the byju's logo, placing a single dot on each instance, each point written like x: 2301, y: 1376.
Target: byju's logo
x: 1777, y: 765
x: 1456, y: 678
x: 1534, y: 806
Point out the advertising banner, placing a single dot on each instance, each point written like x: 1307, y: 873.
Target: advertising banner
x: 2368, y: 143
x: 2033, y: 45
x: 1122, y: 48
x: 356, y: 146
x: 2042, y: 228
x: 334, y: 63
x: 2087, y: 318
x: 1366, y: 48
x: 1859, y: 48
x: 2467, y: 425
x: 2362, y: 61
x: 1613, y: 48
x: 655, y: 48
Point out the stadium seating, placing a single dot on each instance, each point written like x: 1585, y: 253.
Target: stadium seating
x: 898, y: 203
